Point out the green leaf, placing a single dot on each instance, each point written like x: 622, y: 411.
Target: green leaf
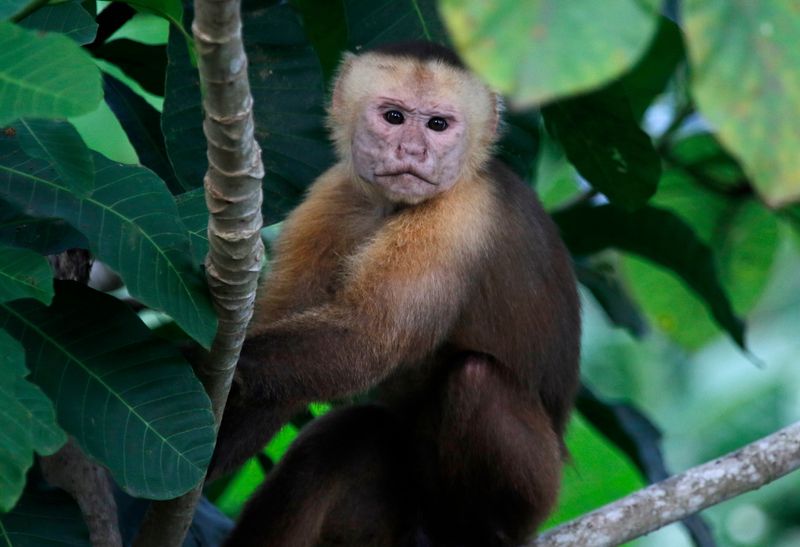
x: 602, y: 139
x: 539, y: 50
x: 745, y: 78
x: 372, y: 22
x: 144, y: 63
x: 132, y: 225
x: 289, y: 94
x: 326, y: 28
x: 102, y: 132
x: 648, y: 78
x: 68, y: 18
x: 11, y: 7
x: 48, y: 518
x: 194, y: 214
x: 640, y: 440
x: 660, y: 237
x: 604, y: 284
x: 46, y: 236
x: 142, y: 124
x: 24, y: 274
x: 44, y: 76
x: 519, y: 144
x: 129, y: 399
x: 171, y: 10
x: 555, y: 178
x: 27, y: 422
x: 598, y: 473
x: 60, y: 144
x: 707, y: 190
x: 182, y: 116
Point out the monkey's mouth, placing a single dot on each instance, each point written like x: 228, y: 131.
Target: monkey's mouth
x: 410, y: 172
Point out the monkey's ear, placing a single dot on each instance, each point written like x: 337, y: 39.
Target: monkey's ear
x: 339, y: 94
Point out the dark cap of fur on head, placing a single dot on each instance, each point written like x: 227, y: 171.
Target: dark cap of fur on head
x: 421, y: 51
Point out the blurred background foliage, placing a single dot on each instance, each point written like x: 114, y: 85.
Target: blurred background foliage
x: 662, y: 136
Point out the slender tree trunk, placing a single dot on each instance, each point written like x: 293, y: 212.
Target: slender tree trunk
x: 677, y: 497
x: 233, y: 196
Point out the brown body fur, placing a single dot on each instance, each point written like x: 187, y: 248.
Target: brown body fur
x: 462, y: 309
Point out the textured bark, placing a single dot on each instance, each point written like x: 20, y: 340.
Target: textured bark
x: 69, y: 468
x: 88, y: 483
x: 673, y: 499
x: 233, y: 196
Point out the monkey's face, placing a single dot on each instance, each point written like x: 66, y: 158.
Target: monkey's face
x: 410, y: 129
x: 410, y: 147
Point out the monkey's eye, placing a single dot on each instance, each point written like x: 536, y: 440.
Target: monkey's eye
x: 437, y: 124
x: 394, y: 117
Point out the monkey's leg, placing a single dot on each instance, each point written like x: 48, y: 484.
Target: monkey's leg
x: 499, y: 461
x: 346, y: 480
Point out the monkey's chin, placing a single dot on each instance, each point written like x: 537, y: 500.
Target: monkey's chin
x: 406, y: 188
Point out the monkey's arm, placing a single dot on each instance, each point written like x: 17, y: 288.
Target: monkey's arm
x: 393, y: 309
x: 387, y: 314
x: 307, y: 254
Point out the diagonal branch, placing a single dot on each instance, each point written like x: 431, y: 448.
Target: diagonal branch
x: 673, y: 499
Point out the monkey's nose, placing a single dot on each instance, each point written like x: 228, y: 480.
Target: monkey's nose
x: 415, y: 150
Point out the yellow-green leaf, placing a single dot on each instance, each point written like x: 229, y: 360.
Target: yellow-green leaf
x: 538, y: 50
x: 745, y: 65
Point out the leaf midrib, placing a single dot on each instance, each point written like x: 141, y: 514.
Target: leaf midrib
x: 131, y: 411
x: 124, y: 219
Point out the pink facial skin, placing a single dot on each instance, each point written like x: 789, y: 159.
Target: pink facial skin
x: 409, y: 161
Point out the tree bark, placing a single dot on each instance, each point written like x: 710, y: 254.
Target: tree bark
x: 69, y: 468
x: 88, y: 483
x: 673, y: 499
x: 233, y: 196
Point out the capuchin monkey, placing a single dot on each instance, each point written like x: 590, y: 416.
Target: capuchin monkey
x: 422, y: 268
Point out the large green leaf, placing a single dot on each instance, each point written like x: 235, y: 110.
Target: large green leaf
x: 42, y: 518
x: 660, y: 237
x: 538, y: 50
x: 648, y: 78
x: 372, y: 22
x: 46, y: 76
x: 707, y: 189
x: 745, y: 79
x: 182, y: 116
x: 519, y: 142
x: 194, y: 213
x: 171, y: 10
x: 24, y: 274
x: 130, y: 400
x: 598, y: 473
x: 11, y: 7
x: 132, y: 225
x: 68, y: 18
x: 146, y: 64
x: 603, y: 282
x: 602, y: 139
x: 27, y: 422
x: 60, y: 144
x: 287, y: 85
x: 326, y: 28
x: 46, y: 236
x: 142, y: 124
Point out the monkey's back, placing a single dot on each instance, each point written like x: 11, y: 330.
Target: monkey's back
x: 525, y: 312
